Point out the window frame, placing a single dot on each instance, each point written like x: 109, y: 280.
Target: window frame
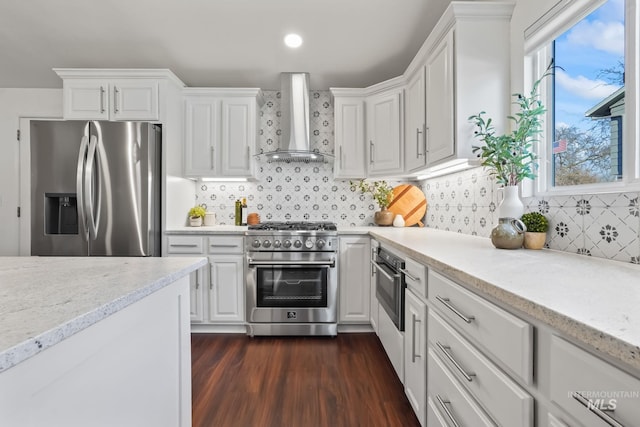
x: 539, y: 39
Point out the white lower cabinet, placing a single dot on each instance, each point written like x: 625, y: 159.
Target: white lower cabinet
x: 393, y: 342
x: 353, y: 269
x: 217, y: 292
x: 373, y: 304
x: 449, y: 400
x: 415, y: 352
x: 226, y: 290
x: 590, y: 389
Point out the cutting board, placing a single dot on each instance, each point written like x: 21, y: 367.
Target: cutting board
x: 410, y: 202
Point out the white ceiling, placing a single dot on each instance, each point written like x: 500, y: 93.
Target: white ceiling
x: 347, y: 43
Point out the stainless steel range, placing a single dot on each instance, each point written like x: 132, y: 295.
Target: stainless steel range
x: 292, y: 279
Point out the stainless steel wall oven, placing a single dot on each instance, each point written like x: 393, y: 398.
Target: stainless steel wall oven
x: 390, y: 284
x: 292, y: 280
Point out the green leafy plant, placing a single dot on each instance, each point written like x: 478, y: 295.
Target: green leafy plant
x: 535, y: 222
x: 380, y: 191
x: 197, y: 211
x: 510, y: 157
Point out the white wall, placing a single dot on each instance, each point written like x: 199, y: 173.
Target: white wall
x: 16, y: 104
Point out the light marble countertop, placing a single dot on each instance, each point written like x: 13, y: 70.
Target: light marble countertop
x: 206, y: 230
x: 44, y: 300
x: 592, y: 300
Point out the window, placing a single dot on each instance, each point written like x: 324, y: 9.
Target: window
x: 588, y: 99
x: 592, y: 123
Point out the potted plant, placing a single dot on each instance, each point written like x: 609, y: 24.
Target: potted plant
x: 196, y: 214
x: 536, y: 233
x: 382, y: 193
x: 510, y: 157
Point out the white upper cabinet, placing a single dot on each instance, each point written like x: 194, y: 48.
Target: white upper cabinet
x: 466, y: 70
x: 95, y: 94
x: 414, y: 122
x: 385, y: 130
x: 220, y: 132
x: 349, y: 134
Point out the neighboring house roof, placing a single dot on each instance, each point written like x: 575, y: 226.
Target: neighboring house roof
x: 603, y: 108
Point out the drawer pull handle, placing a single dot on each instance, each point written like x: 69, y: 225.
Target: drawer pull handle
x: 446, y: 410
x: 415, y: 320
x: 591, y: 406
x: 213, y: 245
x: 183, y: 245
x: 197, y: 279
x: 445, y: 301
x: 445, y: 350
x: 406, y: 273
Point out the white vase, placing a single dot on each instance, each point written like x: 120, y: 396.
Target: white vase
x: 511, y: 205
x: 398, y: 221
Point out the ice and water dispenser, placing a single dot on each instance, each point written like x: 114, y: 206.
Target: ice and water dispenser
x: 61, y: 213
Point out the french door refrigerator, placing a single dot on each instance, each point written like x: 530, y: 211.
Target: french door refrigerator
x: 95, y: 188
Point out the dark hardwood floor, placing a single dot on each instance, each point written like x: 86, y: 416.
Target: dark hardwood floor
x: 302, y: 382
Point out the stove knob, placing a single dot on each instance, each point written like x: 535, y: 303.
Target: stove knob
x: 287, y: 243
x: 276, y: 243
x: 320, y: 243
x: 266, y: 243
x: 297, y: 244
x: 256, y: 243
x: 308, y: 244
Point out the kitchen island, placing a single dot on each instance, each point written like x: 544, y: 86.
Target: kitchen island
x: 95, y: 341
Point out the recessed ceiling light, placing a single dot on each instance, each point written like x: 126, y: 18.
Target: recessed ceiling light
x: 293, y: 40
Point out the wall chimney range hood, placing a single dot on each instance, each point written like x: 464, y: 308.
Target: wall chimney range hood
x: 295, y: 145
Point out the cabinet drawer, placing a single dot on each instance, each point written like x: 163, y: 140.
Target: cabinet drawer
x: 416, y: 277
x: 503, y: 399
x: 606, y: 391
x: 450, y: 400
x: 185, y: 245
x: 226, y: 245
x: 504, y: 336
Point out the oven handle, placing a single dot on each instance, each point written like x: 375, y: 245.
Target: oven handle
x: 382, y: 270
x: 331, y: 263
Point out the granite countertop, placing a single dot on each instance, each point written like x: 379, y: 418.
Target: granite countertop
x: 44, y: 300
x: 592, y: 300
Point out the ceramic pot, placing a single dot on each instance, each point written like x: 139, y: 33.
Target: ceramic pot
x: 511, y: 206
x: 534, y: 240
x: 398, y: 221
x: 195, y: 221
x: 383, y: 217
x: 210, y: 218
x: 508, y: 234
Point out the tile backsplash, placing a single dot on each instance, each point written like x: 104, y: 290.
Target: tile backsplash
x: 292, y: 191
x: 599, y: 225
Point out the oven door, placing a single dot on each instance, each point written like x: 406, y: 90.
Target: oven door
x: 301, y: 290
x: 390, y: 292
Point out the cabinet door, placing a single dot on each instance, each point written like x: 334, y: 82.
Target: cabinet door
x: 383, y: 129
x: 197, y: 281
x: 414, y: 120
x: 415, y: 354
x: 226, y: 293
x: 349, y: 138
x: 238, y: 137
x: 440, y: 98
x: 373, y: 305
x: 86, y: 99
x: 134, y: 99
x: 201, y: 136
x: 354, y: 292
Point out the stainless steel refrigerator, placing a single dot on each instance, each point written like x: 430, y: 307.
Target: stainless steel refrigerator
x: 95, y: 188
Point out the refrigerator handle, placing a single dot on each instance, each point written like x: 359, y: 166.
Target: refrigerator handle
x: 93, y: 200
x: 82, y: 211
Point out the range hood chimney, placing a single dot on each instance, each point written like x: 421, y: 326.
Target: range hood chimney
x: 295, y: 145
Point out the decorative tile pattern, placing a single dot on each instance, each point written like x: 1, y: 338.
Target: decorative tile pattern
x: 293, y: 191
x: 602, y: 225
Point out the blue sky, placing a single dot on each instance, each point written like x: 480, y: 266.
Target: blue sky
x: 595, y: 43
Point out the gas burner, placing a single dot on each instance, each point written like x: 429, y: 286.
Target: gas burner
x: 294, y: 226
